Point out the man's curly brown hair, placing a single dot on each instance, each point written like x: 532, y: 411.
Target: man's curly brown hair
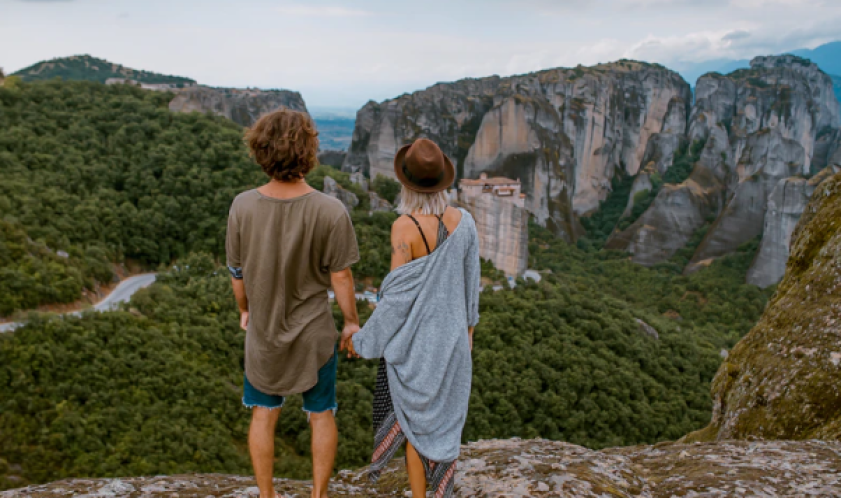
x: 284, y: 143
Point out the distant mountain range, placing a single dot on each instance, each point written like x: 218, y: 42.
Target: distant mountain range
x: 827, y: 57
x: 336, y: 126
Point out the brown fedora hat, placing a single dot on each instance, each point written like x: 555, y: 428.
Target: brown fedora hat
x: 422, y: 167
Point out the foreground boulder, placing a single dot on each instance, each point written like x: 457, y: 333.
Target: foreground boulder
x: 517, y: 468
x: 783, y: 380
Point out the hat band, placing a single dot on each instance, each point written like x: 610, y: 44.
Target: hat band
x: 422, y: 182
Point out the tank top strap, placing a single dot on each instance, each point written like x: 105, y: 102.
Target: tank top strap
x: 421, y: 233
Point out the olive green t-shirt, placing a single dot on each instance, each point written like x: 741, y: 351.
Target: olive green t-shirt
x: 287, y: 249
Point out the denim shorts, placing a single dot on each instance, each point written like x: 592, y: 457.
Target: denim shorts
x: 318, y: 399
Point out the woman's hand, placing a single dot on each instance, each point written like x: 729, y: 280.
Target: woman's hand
x: 347, y: 340
x: 243, y: 320
x: 470, y: 336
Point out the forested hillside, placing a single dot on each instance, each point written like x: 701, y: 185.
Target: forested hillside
x: 106, y: 173
x: 156, y: 389
x: 103, y: 174
x: 88, y: 68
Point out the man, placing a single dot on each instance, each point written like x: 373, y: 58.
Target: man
x: 286, y: 244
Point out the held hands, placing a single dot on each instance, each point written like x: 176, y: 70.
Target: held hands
x: 346, y: 343
x: 243, y: 320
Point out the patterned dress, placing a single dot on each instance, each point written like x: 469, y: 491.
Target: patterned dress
x: 389, y: 437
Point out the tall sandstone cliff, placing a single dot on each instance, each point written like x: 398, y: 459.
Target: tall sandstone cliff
x: 563, y: 132
x: 783, y: 380
x: 765, y: 137
x: 765, y: 131
x: 243, y: 106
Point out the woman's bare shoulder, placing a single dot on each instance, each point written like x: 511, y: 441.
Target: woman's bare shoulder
x: 402, y: 228
x: 452, y: 218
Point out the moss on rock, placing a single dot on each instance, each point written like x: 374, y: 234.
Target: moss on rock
x: 783, y: 380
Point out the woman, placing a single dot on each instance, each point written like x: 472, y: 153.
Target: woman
x: 423, y: 326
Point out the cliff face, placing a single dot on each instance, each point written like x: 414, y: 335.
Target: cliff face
x: 564, y: 132
x: 778, y: 120
x: 783, y: 380
x: 539, y: 468
x: 243, y: 106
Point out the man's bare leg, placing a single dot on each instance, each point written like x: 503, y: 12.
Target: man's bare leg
x: 417, y: 476
x: 325, y: 442
x: 261, y: 444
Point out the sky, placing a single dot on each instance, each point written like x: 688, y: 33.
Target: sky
x: 342, y: 54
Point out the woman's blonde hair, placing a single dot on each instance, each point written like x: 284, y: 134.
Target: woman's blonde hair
x: 424, y: 204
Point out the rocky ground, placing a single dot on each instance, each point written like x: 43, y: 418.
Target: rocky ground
x: 538, y: 468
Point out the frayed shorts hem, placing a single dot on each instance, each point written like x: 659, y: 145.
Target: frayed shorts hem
x: 314, y: 412
x: 258, y: 405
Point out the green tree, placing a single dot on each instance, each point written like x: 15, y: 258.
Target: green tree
x: 385, y: 187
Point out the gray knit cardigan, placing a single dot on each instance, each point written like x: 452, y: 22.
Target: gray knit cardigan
x: 420, y: 328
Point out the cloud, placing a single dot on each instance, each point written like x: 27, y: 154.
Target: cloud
x: 301, y: 10
x: 739, y: 34
x: 755, y: 4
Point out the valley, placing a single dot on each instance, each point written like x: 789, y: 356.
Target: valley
x: 661, y: 224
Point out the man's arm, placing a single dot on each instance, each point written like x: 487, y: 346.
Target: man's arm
x: 346, y: 297
x: 242, y: 301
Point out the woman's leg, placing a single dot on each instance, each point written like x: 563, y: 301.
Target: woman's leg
x: 417, y: 476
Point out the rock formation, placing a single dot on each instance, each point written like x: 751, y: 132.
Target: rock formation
x: 333, y: 189
x: 539, y: 468
x: 377, y: 203
x: 564, y: 132
x: 778, y: 120
x: 359, y: 179
x: 501, y: 221
x: 783, y: 380
x: 243, y: 106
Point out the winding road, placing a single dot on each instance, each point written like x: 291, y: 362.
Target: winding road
x: 122, y: 293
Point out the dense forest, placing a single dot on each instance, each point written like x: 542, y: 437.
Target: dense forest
x: 156, y: 388
x: 106, y: 174
x: 103, y: 174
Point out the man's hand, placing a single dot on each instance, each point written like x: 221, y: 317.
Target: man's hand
x: 470, y: 336
x: 346, y: 297
x: 347, y: 342
x: 243, y: 320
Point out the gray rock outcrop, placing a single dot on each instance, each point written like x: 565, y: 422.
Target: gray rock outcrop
x: 564, y: 132
x: 243, y: 106
x: 785, y: 206
x: 538, y: 468
x: 359, y: 179
x: 777, y: 120
x: 377, y: 203
x: 333, y: 189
